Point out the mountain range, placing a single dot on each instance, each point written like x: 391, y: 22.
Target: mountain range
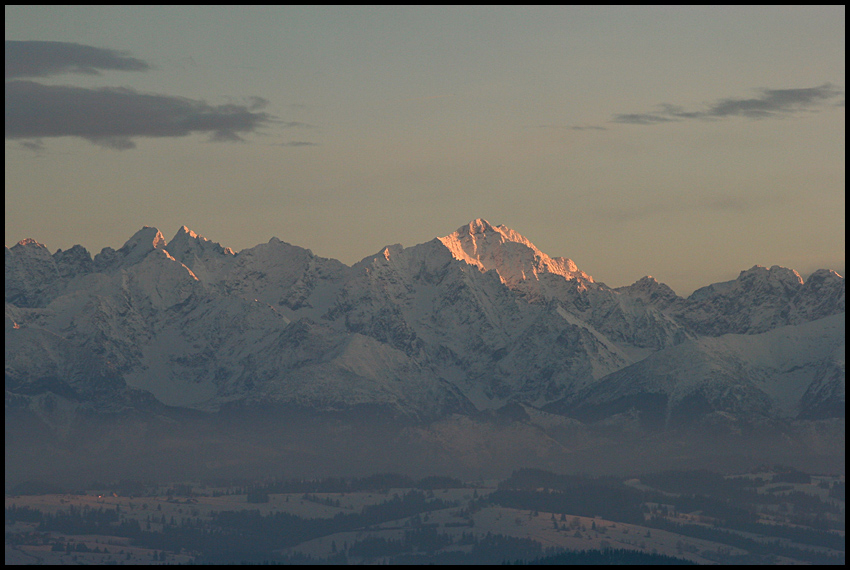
x: 479, y: 323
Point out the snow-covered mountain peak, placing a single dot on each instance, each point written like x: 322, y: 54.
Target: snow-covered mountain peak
x: 824, y: 276
x: 188, y: 232
x: 821, y: 294
x: 187, y: 244
x: 28, y: 243
x: 28, y: 249
x: 509, y: 253
x: 776, y: 274
x: 391, y: 250
x: 478, y: 229
x: 185, y: 236
x: 650, y: 291
x: 133, y: 251
x: 777, y: 279
x: 72, y: 262
x: 30, y: 274
x: 147, y: 239
x: 761, y: 299
x: 827, y: 272
x: 477, y: 226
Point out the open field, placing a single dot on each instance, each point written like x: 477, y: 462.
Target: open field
x: 363, y: 526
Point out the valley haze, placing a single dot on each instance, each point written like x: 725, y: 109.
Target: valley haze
x: 472, y: 355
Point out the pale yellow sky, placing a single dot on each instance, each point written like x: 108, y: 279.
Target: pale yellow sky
x: 685, y: 143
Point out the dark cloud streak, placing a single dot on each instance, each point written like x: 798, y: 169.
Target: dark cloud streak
x: 571, y: 127
x: 641, y: 119
x: 112, y: 117
x: 773, y: 103
x: 42, y: 59
x: 587, y: 128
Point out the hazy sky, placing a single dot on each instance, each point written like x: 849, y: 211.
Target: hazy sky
x: 685, y: 143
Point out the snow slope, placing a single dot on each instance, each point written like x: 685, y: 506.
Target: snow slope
x: 765, y: 374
